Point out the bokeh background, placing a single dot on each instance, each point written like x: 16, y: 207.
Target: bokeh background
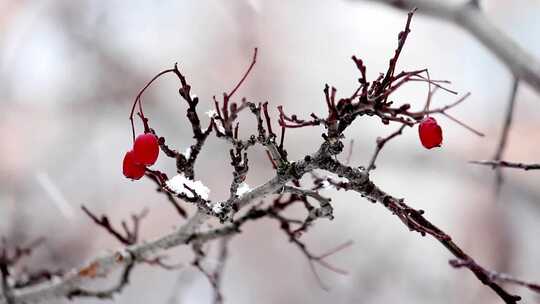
x: 69, y: 71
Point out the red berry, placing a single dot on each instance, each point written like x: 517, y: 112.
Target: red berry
x: 430, y: 133
x: 132, y: 169
x: 146, y: 149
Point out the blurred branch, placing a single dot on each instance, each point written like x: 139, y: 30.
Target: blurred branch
x: 506, y: 164
x: 105, y: 294
x: 103, y: 265
x: 495, y: 276
x: 131, y: 235
x: 470, y: 17
x: 504, y: 135
x: 214, y: 276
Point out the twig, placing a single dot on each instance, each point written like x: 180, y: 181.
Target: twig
x: 412, y: 218
x: 519, y: 61
x: 130, y: 236
x: 504, y: 135
x: 108, y: 293
x: 6, y: 288
x: 506, y: 164
x: 181, y: 211
x: 380, y: 144
x: 218, y: 271
x: 214, y: 276
x: 495, y: 276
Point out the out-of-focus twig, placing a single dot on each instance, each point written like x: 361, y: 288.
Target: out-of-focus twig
x: 470, y: 17
x: 504, y: 136
x: 495, y: 276
x: 507, y: 164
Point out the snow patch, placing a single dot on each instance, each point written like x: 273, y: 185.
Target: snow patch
x: 220, y: 128
x: 177, y: 183
x: 326, y: 185
x: 187, y: 153
x: 211, y: 113
x: 242, y: 188
x: 217, y: 208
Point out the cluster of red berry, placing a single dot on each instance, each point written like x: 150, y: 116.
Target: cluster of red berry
x: 144, y: 153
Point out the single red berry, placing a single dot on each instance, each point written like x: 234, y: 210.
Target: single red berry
x: 132, y: 169
x: 146, y: 149
x: 430, y: 133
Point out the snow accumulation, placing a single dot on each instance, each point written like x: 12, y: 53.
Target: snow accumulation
x: 177, y: 185
x: 242, y: 188
x: 211, y: 113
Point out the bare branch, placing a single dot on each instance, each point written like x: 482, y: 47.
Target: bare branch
x: 495, y: 276
x: 506, y: 164
x: 380, y: 144
x: 108, y: 293
x: 519, y: 61
x: 412, y: 218
x: 130, y: 236
x: 504, y: 134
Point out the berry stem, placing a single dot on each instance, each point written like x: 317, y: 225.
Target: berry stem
x: 139, y: 101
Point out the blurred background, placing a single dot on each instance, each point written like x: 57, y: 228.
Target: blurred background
x: 69, y: 71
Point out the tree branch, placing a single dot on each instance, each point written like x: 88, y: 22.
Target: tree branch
x: 504, y: 135
x: 506, y: 164
x: 520, y: 62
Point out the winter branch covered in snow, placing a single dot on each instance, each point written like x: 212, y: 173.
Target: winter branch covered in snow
x: 272, y: 199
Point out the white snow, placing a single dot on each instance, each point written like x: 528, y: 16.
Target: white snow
x: 217, y: 208
x: 326, y: 185
x: 177, y: 183
x: 220, y: 128
x: 187, y: 153
x: 242, y: 188
x: 211, y: 113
